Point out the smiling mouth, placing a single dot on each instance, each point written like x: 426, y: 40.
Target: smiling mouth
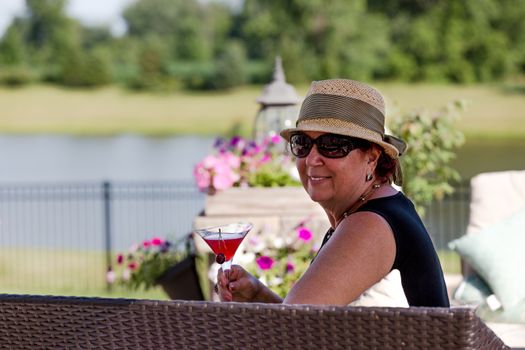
x: 318, y: 178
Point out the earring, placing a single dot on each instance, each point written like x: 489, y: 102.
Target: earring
x: 369, y: 177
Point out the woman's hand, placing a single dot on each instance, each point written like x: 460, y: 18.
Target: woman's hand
x: 236, y: 284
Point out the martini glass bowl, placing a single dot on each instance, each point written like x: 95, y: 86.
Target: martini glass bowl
x: 224, y: 240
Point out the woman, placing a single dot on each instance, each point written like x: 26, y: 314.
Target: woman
x: 347, y: 164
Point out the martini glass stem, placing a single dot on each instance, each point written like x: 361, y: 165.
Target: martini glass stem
x: 227, y: 264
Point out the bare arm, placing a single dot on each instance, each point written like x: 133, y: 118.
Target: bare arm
x: 359, y: 254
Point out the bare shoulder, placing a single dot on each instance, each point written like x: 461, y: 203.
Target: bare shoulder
x: 364, y: 235
x: 359, y: 254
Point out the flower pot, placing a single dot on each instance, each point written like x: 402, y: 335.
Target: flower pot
x: 181, y: 281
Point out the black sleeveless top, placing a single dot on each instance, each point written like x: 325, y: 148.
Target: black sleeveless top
x: 421, y: 274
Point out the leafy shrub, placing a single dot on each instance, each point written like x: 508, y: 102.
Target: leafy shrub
x: 432, y: 140
x: 16, y: 75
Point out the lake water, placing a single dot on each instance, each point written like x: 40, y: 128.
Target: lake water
x: 130, y: 158
x: 119, y: 158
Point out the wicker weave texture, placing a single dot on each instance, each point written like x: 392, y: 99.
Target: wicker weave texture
x: 43, y: 322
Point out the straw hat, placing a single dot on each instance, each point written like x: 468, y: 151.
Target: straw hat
x: 346, y: 107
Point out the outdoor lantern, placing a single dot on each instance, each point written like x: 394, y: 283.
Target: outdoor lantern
x: 279, y: 106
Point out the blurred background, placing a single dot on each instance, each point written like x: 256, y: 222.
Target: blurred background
x: 106, y: 106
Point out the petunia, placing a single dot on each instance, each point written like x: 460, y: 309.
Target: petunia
x: 110, y: 276
x: 156, y: 241
x: 290, y: 267
x: 235, y: 140
x: 126, y: 275
x: 132, y: 265
x: 304, y: 234
x: 224, y: 176
x: 266, y: 158
x: 264, y: 262
x: 120, y: 259
x: 202, y: 176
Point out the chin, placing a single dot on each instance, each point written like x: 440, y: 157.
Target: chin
x: 318, y: 197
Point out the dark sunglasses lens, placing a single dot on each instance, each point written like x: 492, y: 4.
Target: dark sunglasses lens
x: 334, y: 146
x: 300, y: 145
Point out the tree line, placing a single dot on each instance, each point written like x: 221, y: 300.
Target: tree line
x: 191, y: 44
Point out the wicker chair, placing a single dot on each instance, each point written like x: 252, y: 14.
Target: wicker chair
x: 47, y: 322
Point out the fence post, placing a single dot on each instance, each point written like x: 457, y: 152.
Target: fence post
x: 106, y: 189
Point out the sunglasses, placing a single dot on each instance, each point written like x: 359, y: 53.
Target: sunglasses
x: 328, y: 145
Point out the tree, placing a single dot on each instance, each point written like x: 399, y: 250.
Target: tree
x: 12, y: 48
x: 178, y: 22
x: 316, y: 40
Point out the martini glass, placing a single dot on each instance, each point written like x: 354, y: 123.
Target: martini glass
x: 224, y: 240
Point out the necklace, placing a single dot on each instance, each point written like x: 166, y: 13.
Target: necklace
x: 362, y: 200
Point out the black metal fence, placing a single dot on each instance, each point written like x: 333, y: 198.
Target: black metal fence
x: 58, y: 238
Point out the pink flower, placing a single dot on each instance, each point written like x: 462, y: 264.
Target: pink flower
x: 202, y: 176
x: 266, y: 158
x: 230, y: 159
x: 290, y: 267
x: 224, y: 177
x: 110, y: 276
x: 276, y: 139
x: 145, y: 244
x: 304, y: 234
x: 264, y: 262
x: 132, y: 265
x: 209, y: 162
x: 126, y: 275
x: 156, y: 241
x: 120, y: 259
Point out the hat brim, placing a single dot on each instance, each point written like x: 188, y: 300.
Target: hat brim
x: 336, y: 126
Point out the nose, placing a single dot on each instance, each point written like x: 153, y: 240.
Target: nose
x: 314, y: 158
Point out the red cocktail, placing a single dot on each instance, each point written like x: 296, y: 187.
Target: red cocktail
x: 224, y: 240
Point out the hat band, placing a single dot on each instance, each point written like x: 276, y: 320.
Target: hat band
x: 345, y: 108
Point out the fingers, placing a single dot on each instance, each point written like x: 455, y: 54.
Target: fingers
x: 228, y: 282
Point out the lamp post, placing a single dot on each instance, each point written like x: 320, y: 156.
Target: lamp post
x: 279, y: 106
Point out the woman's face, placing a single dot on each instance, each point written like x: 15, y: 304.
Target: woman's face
x: 335, y: 182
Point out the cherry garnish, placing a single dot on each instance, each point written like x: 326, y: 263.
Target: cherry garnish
x: 220, y: 258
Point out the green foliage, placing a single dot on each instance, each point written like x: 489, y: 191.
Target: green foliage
x: 431, y: 40
x: 150, y: 60
x: 90, y: 69
x: 230, y: 67
x: 16, y: 75
x: 432, y: 140
x: 144, y: 264
x: 458, y: 41
x: 12, y: 48
x: 179, y: 24
x: 272, y: 175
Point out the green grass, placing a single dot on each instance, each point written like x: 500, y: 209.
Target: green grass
x: 61, y: 272
x: 80, y: 273
x: 494, y: 111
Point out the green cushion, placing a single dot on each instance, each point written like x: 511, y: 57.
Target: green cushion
x: 497, y: 253
x: 472, y: 290
x: 514, y: 315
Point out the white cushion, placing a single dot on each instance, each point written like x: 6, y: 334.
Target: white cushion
x: 388, y: 292
x: 495, y: 196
